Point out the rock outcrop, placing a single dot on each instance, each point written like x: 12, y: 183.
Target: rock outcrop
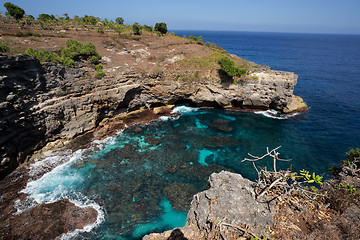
x: 229, y: 200
x: 41, y: 103
x: 229, y: 210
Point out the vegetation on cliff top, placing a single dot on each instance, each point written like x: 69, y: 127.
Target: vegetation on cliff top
x: 74, y: 52
x: 48, y: 25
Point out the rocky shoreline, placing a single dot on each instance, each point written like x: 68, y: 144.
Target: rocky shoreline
x: 45, y: 106
x: 43, y: 103
x: 229, y: 210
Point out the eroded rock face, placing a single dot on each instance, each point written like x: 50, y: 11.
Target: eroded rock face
x: 271, y: 89
x: 231, y: 199
x: 41, y: 103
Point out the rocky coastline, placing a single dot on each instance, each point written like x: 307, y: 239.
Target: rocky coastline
x: 229, y: 209
x: 44, y: 103
x: 45, y: 106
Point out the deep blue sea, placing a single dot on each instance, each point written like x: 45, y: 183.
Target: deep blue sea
x: 141, y: 179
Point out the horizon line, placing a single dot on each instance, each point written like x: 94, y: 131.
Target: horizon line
x: 215, y: 30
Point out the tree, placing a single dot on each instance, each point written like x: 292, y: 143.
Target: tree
x: 46, y: 17
x: 136, y: 29
x: 161, y: 27
x: 119, y: 20
x: 14, y: 11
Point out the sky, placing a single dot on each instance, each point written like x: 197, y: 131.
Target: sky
x: 302, y: 16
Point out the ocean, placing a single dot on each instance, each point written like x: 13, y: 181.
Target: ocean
x: 141, y: 179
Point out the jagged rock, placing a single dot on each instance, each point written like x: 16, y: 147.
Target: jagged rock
x: 230, y: 198
x: 296, y: 104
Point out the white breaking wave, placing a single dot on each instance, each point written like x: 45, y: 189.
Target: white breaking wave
x: 184, y: 109
x: 275, y: 115
x: 61, y: 182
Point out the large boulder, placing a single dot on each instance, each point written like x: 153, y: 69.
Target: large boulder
x: 229, y: 200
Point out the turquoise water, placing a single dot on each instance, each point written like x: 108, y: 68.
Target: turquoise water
x: 142, y: 179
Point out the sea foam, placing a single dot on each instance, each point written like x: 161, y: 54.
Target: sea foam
x: 275, y: 115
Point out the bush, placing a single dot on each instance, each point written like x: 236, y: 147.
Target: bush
x: 46, y: 17
x: 119, y: 20
x: 148, y: 28
x: 100, y: 74
x: 77, y: 51
x: 89, y: 20
x: 136, y: 29
x: 44, y: 56
x: 14, y: 11
x: 98, y: 67
x: 4, y: 47
x: 29, y: 19
x: 228, y: 66
x: 161, y: 27
x: 192, y: 38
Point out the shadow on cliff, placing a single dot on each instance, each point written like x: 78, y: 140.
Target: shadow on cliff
x: 226, y: 80
x: 21, y: 81
x: 177, y: 234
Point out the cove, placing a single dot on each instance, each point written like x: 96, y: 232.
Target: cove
x: 142, y: 179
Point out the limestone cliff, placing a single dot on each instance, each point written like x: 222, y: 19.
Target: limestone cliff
x: 230, y: 201
x: 40, y: 103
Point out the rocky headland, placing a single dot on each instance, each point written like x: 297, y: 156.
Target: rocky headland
x: 46, y: 106
x: 44, y: 102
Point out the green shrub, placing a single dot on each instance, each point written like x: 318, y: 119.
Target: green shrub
x: 77, y: 51
x: 136, y: 29
x: 44, y: 56
x: 192, y: 38
x: 14, y: 11
x: 119, y: 20
x: 98, y: 67
x: 4, y: 47
x: 353, y: 153
x: 228, y: 66
x: 89, y: 20
x: 148, y: 28
x: 67, y: 62
x: 161, y: 27
x: 28, y: 20
x: 100, y: 74
x: 46, y: 17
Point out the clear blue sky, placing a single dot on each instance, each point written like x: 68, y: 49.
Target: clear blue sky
x: 304, y: 16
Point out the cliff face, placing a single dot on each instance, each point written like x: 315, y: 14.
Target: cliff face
x: 40, y: 103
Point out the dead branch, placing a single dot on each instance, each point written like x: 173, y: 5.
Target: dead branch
x: 273, y: 153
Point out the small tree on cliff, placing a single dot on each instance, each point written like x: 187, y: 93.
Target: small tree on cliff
x: 136, y: 29
x: 14, y: 11
x: 119, y: 20
x: 161, y: 27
